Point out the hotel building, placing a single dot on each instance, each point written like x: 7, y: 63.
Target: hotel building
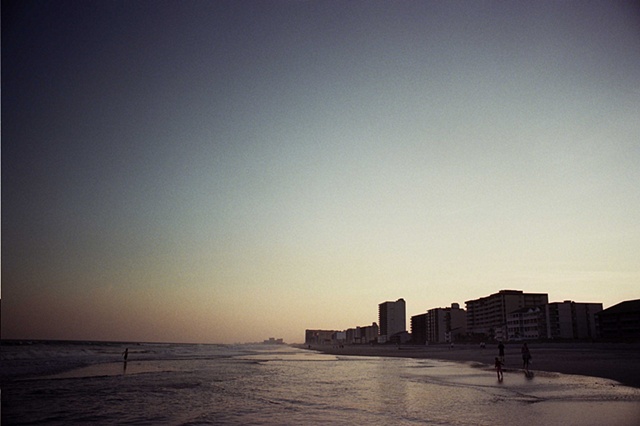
x: 571, y: 320
x: 363, y: 335
x: 320, y: 337
x: 392, y: 319
x: 439, y: 325
x: 488, y: 315
x: 557, y: 320
x: 621, y: 321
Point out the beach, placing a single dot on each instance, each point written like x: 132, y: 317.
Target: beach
x: 60, y: 383
x: 615, y: 361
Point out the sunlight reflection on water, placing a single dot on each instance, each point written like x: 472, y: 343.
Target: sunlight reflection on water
x: 290, y: 386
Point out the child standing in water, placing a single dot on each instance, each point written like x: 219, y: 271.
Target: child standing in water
x: 499, y: 369
x: 526, y: 357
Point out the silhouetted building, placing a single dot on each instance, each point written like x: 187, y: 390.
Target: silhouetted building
x: 571, y: 320
x: 369, y: 334
x: 362, y: 335
x: 319, y: 337
x: 439, y: 325
x: 557, y: 320
x: 419, y: 329
x: 399, y: 338
x: 525, y: 324
x: 353, y: 336
x: 621, y: 321
x: 488, y: 315
x: 392, y: 319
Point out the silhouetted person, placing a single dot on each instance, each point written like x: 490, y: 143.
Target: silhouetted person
x: 501, y: 351
x: 125, y: 354
x: 498, y: 365
x: 526, y: 357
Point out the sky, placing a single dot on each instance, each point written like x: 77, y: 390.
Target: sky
x: 222, y: 171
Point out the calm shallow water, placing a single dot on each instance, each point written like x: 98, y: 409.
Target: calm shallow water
x: 264, y: 385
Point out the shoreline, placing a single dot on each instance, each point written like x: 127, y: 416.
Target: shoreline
x: 615, y: 361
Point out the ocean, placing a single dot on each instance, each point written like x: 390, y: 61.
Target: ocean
x: 61, y: 383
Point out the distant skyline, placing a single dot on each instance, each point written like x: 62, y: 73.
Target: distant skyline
x: 225, y: 171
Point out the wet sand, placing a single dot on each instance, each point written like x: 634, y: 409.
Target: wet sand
x: 616, y: 361
x: 109, y: 369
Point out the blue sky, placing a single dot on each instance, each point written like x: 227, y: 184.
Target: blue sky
x: 231, y: 171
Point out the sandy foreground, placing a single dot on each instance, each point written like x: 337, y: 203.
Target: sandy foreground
x: 616, y: 361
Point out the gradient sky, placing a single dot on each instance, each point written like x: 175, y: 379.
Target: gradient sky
x: 225, y: 171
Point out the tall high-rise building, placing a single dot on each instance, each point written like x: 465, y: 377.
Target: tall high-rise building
x: 488, y: 315
x: 392, y: 318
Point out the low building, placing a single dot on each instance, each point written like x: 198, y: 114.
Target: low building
x: 399, y: 338
x: 362, y: 335
x: 320, y: 337
x: 621, y: 321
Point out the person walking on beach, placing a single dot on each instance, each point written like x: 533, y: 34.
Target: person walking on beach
x: 498, y: 366
x: 501, y: 351
x: 526, y: 357
x: 125, y: 354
